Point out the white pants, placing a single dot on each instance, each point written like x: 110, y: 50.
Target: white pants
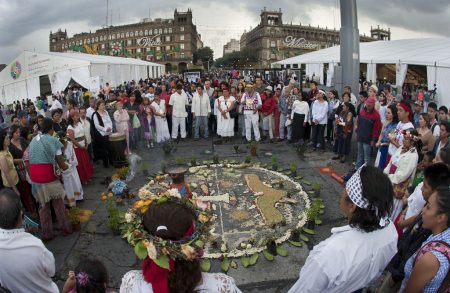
x: 252, y: 120
x: 178, y: 121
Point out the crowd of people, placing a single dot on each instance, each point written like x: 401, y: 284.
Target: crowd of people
x: 396, y: 198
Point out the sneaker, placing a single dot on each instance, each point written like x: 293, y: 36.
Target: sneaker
x: 148, y: 146
x: 151, y: 145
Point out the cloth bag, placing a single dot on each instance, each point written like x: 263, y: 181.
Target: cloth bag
x: 136, y: 123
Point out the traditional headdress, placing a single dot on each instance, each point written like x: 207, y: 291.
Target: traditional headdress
x: 160, y: 254
x: 354, y: 190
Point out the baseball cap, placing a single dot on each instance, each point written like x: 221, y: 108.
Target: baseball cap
x: 269, y: 88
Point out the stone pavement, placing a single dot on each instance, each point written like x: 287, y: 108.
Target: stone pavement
x: 97, y: 240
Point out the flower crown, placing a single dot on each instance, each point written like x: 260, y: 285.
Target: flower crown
x: 409, y: 135
x: 161, y: 250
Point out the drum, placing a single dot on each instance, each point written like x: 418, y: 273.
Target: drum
x: 118, y: 145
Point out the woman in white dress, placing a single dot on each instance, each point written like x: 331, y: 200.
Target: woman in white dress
x: 225, y: 124
x: 159, y: 110
x: 122, y: 120
x: 72, y: 183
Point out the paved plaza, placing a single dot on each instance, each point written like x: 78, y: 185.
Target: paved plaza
x: 96, y: 239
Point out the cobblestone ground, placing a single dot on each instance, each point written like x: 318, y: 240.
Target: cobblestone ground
x: 97, y: 240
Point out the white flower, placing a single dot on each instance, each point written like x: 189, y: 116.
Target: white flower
x: 151, y: 251
x: 174, y: 193
x: 129, y: 217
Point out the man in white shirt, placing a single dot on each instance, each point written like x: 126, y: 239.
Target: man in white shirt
x: 251, y: 101
x: 55, y: 104
x: 208, y: 89
x: 357, y: 253
x: 91, y: 109
x: 26, y: 265
x: 179, y: 101
x: 201, y: 111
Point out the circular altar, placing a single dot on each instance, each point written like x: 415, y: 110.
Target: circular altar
x: 251, y: 206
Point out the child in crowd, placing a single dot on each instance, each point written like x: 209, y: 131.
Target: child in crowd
x: 90, y: 276
x: 71, y: 179
x: 148, y: 120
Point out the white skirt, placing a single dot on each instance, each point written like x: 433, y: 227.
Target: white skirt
x: 72, y: 186
x: 225, y: 127
x: 162, y: 129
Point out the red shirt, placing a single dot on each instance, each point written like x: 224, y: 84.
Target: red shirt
x: 269, y: 105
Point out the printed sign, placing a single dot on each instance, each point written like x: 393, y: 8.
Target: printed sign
x: 299, y: 43
x: 149, y: 41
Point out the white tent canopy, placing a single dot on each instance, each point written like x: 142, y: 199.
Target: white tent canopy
x: 21, y: 78
x: 434, y: 53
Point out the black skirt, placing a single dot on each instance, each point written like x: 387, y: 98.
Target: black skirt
x: 298, y: 129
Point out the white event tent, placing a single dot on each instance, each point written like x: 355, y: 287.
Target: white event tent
x: 20, y: 79
x: 434, y: 53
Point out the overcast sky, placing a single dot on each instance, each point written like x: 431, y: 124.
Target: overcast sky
x: 26, y: 24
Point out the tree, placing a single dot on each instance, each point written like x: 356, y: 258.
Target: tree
x: 237, y: 59
x: 203, y: 55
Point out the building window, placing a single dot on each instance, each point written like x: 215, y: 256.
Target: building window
x: 127, y: 34
x: 167, y: 38
x: 150, y: 32
x: 272, y: 44
x: 167, y: 48
x: 101, y: 38
x: 165, y: 30
x: 53, y: 40
x: 122, y: 35
x: 155, y: 31
x: 182, y: 38
x: 158, y: 39
x: 170, y: 30
x: 146, y: 32
x: 136, y: 33
x: 182, y: 46
x: 181, y: 28
x: 139, y: 50
x: 160, y: 31
x: 103, y: 46
x: 131, y: 34
x: 182, y: 55
x: 129, y: 42
x: 158, y: 48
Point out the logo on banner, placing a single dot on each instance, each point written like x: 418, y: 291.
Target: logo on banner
x: 299, y: 43
x: 16, y: 70
x: 149, y: 42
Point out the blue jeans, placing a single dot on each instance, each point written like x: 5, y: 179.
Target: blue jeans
x: 201, y: 120
x: 135, y: 137
x: 364, y: 151
x: 283, y: 119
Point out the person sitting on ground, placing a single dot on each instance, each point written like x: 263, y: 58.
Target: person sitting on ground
x: 173, y: 221
x: 26, y: 265
x: 354, y: 254
x: 428, y: 268
x: 90, y: 276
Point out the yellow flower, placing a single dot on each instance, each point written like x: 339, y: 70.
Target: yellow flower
x: 203, y: 218
x: 110, y: 195
x: 151, y: 251
x: 104, y: 197
x: 188, y: 251
x: 103, y: 194
x: 139, y: 204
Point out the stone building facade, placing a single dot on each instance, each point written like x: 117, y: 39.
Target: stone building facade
x: 166, y: 41
x: 232, y: 46
x: 272, y: 40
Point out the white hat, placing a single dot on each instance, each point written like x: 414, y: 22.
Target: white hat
x: 269, y: 88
